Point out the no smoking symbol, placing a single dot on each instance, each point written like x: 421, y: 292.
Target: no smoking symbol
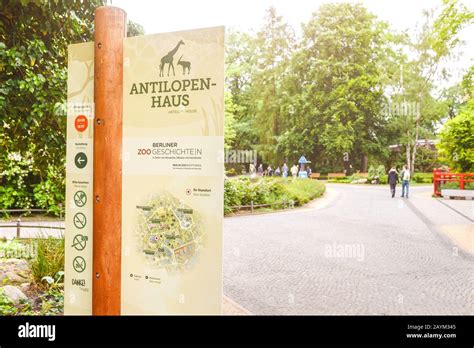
x: 79, y: 220
x: 188, y: 191
x: 79, y: 264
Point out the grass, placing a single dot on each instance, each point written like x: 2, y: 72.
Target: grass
x: 302, y: 190
x: 49, y: 259
x: 46, y: 293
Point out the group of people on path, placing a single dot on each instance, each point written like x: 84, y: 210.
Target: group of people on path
x: 284, y: 171
x: 393, y: 179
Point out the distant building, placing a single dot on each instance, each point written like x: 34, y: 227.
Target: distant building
x: 429, y: 143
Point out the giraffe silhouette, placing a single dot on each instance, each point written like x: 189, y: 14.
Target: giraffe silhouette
x: 168, y: 59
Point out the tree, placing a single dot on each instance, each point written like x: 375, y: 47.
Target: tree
x: 240, y: 59
x: 456, y: 145
x: 339, y: 83
x: 229, y: 124
x: 274, y: 45
x: 34, y: 36
x: 134, y: 29
x: 457, y: 140
x: 432, y: 47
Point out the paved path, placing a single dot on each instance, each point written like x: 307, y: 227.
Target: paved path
x: 356, y: 251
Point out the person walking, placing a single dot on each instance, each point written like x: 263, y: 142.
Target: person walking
x: 277, y: 171
x: 393, y: 180
x: 405, y: 181
x: 260, y: 170
x: 269, y: 170
x: 285, y: 170
x: 294, y: 171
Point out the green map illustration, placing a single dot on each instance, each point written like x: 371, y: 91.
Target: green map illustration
x: 169, y: 232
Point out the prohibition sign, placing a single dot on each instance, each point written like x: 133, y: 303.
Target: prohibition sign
x: 80, y: 198
x: 79, y: 264
x: 79, y: 242
x: 79, y: 220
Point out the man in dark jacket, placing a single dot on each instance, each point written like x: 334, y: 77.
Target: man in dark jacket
x: 392, y: 180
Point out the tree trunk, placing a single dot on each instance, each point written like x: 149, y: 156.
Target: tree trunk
x: 413, y: 156
x: 408, y: 154
x: 363, y: 164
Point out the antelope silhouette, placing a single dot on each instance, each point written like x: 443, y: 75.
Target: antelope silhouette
x: 185, y: 65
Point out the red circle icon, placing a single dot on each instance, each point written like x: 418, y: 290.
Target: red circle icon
x: 80, y: 123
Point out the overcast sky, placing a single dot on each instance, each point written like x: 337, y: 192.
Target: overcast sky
x: 161, y: 16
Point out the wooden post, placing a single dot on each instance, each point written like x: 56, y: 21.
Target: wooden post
x: 18, y: 228
x: 110, y: 29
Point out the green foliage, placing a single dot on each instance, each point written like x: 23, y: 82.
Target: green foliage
x: 7, y: 307
x: 456, y: 144
x: 453, y: 18
x: 378, y: 172
x: 455, y: 185
x: 341, y: 180
x: 16, y: 172
x: 229, y: 122
x: 339, y: 82
x: 49, y: 259
x: 13, y: 249
x: 34, y: 35
x: 52, y: 300
x: 426, y: 159
x: 134, y: 29
x: 49, y: 194
x: 302, y: 191
x: 243, y: 191
x: 383, y: 179
x: 423, y: 178
x: 329, y: 94
x: 49, y: 300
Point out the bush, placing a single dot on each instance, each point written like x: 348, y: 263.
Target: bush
x: 383, y: 179
x: 49, y: 194
x: 49, y: 259
x: 15, y: 175
x: 243, y: 191
x: 377, y: 173
x: 302, y: 191
x: 423, y: 178
x: 342, y: 179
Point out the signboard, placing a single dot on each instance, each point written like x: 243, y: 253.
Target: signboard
x: 172, y: 208
x: 172, y: 174
x: 78, y: 238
